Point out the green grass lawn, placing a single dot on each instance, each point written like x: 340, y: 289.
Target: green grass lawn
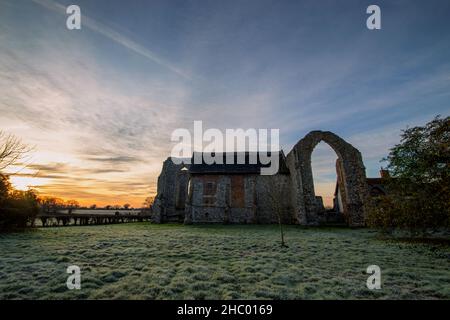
x: 145, y: 261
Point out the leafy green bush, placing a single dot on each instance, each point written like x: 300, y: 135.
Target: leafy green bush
x: 418, y: 188
x: 18, y: 209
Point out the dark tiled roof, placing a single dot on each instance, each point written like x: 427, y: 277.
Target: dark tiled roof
x: 235, y: 168
x: 375, y: 181
x: 371, y: 182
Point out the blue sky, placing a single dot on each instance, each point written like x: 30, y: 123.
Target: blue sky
x: 99, y: 104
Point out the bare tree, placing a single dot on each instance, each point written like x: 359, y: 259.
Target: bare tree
x: 52, y: 204
x: 276, y: 194
x: 148, y: 201
x: 72, y: 204
x: 12, y: 150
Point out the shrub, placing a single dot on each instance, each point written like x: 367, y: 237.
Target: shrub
x: 419, y: 185
x: 18, y: 209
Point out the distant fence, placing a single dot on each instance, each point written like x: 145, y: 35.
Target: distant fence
x: 90, y: 217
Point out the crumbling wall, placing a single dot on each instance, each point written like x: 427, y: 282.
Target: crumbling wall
x: 273, y: 195
x: 353, y: 173
x: 237, y: 199
x: 246, y: 198
x: 171, y: 190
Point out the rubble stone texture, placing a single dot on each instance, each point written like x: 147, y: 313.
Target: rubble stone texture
x: 253, y: 198
x: 352, y: 173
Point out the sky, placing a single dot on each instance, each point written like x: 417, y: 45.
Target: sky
x: 99, y: 104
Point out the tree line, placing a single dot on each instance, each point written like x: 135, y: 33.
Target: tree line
x: 18, y: 209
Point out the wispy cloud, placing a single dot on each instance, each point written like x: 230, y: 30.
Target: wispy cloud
x: 115, y: 36
x: 90, y: 135
x: 116, y: 160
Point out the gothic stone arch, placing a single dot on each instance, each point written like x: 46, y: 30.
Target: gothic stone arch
x: 354, y: 188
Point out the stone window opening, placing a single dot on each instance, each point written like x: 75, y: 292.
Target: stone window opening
x: 190, y: 191
x: 350, y: 171
x: 209, y: 193
x: 209, y: 188
x: 323, y: 165
x: 237, y: 191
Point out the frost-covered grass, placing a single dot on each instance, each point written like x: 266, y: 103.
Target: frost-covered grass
x: 145, y: 261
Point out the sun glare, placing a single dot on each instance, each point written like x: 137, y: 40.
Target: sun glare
x: 25, y: 183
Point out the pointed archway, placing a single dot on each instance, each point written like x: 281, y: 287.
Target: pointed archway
x: 353, y: 178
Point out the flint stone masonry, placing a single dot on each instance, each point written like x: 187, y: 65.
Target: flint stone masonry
x: 169, y: 204
x: 251, y: 204
x: 352, y: 168
x: 238, y: 194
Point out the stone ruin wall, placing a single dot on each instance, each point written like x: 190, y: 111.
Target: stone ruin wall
x: 169, y: 205
x: 298, y: 200
x: 305, y: 203
x: 255, y: 205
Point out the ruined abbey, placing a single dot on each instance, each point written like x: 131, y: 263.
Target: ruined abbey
x: 238, y: 193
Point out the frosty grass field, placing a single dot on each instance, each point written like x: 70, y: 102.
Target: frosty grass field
x: 146, y: 261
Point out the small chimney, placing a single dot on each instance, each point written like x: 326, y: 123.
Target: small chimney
x: 384, y: 173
